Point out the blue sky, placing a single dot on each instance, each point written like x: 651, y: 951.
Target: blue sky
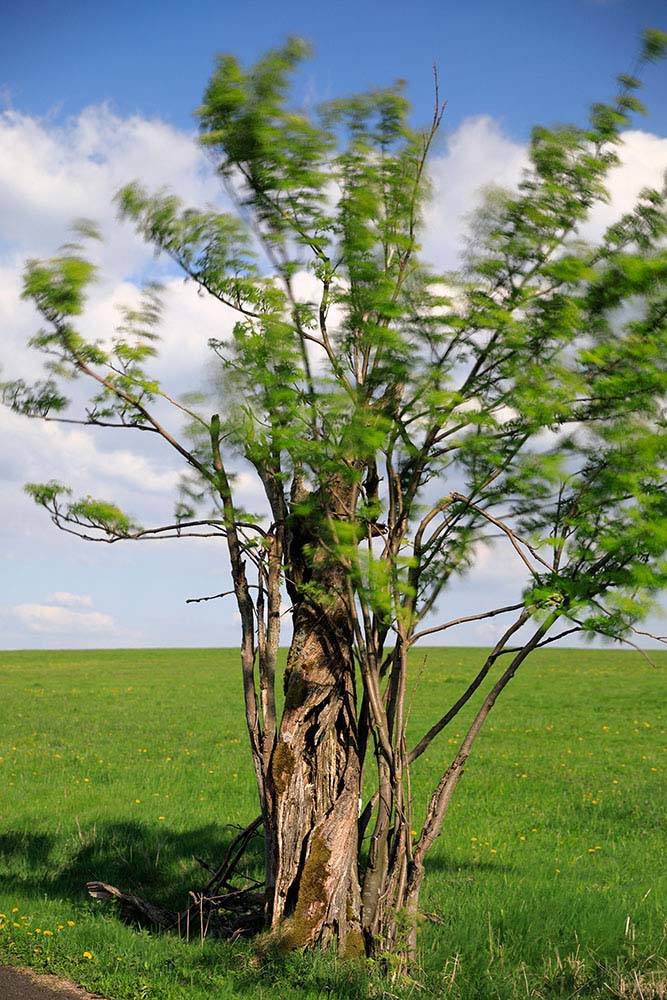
x: 94, y: 94
x: 520, y: 61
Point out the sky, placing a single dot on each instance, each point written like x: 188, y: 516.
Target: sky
x: 95, y: 95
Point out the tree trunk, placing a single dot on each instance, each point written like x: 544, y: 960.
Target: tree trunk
x: 316, y: 775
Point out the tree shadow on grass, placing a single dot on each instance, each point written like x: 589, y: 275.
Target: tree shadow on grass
x: 158, y: 864
x: 454, y: 866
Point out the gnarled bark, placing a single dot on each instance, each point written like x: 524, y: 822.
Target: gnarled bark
x: 316, y: 776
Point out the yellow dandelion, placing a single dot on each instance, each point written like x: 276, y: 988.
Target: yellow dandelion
x: 88, y: 954
x: 493, y: 850
x: 522, y: 838
x: 160, y: 818
x: 137, y: 801
x: 557, y: 870
x: 48, y: 933
x: 70, y: 923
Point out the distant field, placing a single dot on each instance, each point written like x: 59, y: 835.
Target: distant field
x: 549, y: 879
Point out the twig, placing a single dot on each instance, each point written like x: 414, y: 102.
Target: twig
x: 214, y: 597
x: 460, y: 621
x: 512, y: 535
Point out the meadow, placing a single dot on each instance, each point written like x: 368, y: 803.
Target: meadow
x: 549, y: 879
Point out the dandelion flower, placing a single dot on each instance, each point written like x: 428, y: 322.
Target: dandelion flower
x: 70, y: 923
x: 88, y: 954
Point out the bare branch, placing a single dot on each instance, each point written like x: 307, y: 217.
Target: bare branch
x: 515, y: 539
x: 459, y: 621
x: 424, y: 742
x: 90, y: 423
x: 215, y: 597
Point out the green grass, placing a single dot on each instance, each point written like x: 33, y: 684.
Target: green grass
x: 548, y: 881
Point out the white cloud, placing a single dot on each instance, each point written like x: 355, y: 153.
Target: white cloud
x: 54, y: 620
x: 52, y: 174
x: 643, y: 164
x: 67, y: 600
x: 37, y: 451
x: 478, y: 154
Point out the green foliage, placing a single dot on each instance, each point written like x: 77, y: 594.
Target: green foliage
x: 530, y: 385
x: 37, y: 400
x: 104, y: 515
x: 100, y: 517
x: 46, y: 494
x: 655, y: 45
x: 58, y: 286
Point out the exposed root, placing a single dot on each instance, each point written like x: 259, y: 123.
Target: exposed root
x: 222, y: 909
x: 132, y: 907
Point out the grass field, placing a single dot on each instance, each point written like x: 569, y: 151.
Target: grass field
x: 549, y: 879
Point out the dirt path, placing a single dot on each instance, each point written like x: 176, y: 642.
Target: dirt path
x: 21, y: 984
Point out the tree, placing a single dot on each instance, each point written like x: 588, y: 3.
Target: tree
x: 397, y: 422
